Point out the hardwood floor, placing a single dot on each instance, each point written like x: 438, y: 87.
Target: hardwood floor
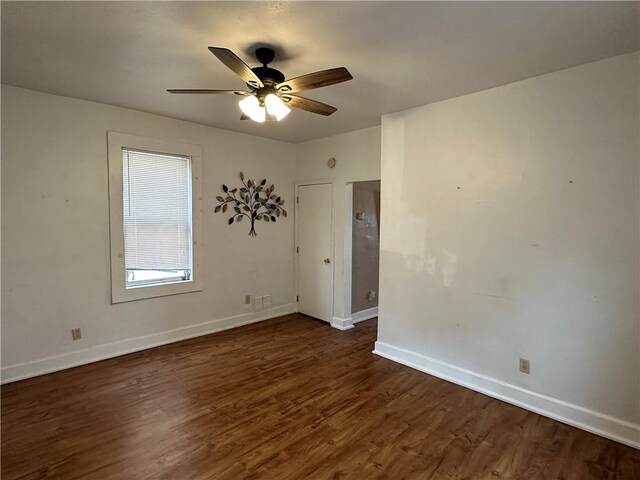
x: 289, y: 398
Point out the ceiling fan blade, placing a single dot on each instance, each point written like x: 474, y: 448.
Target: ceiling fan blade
x: 237, y: 66
x: 309, y: 105
x: 315, y: 80
x: 206, y: 90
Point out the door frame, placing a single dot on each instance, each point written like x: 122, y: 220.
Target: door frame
x: 297, y: 185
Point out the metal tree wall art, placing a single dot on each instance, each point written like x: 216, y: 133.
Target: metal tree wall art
x: 253, y: 200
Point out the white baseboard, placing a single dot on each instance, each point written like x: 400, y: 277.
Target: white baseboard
x: 574, y: 415
x: 363, y: 315
x: 342, y: 323
x: 348, y: 323
x: 96, y: 353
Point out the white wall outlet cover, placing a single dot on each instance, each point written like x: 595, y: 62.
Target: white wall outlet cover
x: 257, y: 304
x: 525, y: 366
x: 266, y: 301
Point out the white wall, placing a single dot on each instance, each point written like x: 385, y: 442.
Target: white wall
x: 358, y: 158
x: 510, y: 228
x: 55, y: 235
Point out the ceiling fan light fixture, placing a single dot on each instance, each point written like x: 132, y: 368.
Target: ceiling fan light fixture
x: 276, y: 107
x: 250, y: 106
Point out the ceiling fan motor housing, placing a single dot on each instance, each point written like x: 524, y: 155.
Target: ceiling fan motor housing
x: 269, y: 76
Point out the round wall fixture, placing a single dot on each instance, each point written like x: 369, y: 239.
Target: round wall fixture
x: 331, y: 162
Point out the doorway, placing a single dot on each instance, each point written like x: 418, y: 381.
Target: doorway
x: 365, y: 249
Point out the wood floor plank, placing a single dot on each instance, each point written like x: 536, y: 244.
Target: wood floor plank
x: 288, y: 398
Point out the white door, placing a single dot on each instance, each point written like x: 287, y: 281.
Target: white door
x: 315, y: 252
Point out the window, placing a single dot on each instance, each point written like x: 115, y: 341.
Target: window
x: 157, y: 217
x: 154, y: 190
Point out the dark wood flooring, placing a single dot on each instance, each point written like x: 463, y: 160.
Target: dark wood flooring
x: 289, y: 398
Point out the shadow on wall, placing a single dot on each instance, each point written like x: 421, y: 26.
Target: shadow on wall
x: 366, y: 245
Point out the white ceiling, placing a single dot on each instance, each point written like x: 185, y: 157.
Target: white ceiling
x: 400, y: 54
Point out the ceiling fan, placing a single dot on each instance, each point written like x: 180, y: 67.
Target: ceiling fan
x: 270, y: 95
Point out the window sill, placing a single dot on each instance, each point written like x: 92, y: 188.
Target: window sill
x: 121, y: 295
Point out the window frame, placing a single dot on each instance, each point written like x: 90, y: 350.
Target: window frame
x: 116, y: 142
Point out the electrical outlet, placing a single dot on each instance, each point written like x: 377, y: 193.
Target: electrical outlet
x: 266, y: 301
x: 257, y: 304
x: 76, y: 334
x: 247, y: 299
x: 524, y: 366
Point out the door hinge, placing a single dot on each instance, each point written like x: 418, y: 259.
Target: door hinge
x: 297, y: 249
x: 297, y: 298
x: 297, y: 199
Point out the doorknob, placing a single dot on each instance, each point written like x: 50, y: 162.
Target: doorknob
x: 327, y: 261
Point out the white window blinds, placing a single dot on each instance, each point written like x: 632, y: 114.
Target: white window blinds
x: 157, y: 210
